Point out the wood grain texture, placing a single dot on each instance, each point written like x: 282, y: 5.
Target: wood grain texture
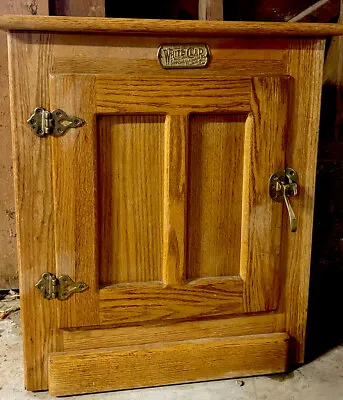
x: 214, y: 209
x: 236, y: 56
x: 75, y: 199
x: 115, y: 94
x: 82, y: 8
x: 264, y: 154
x: 83, y: 339
x: 174, y: 199
x: 160, y: 364
x: 122, y: 304
x: 305, y: 59
x: 8, y: 243
x: 219, y: 67
x: 127, y: 304
x: 211, y: 10
x: 34, y: 201
x: 130, y: 171
x: 127, y: 26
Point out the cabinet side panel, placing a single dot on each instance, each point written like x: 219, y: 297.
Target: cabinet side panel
x: 306, y: 59
x: 9, y: 269
x: 29, y: 88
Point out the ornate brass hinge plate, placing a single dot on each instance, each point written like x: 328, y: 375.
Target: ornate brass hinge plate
x: 54, y: 123
x: 183, y: 55
x: 60, y: 288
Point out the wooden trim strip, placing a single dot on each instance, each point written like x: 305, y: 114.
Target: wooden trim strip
x: 129, y: 26
x: 175, y: 144
x: 176, y: 95
x: 306, y: 58
x: 75, y: 200
x: 167, y: 363
x: 262, y: 221
x: 83, y: 339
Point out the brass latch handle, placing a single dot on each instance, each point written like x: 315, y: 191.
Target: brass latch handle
x: 283, y: 185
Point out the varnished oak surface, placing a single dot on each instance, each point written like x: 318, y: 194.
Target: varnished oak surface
x: 130, y: 176
x: 87, y: 338
x: 166, y: 27
x: 34, y: 206
x: 306, y: 58
x: 123, y: 94
x: 87, y: 371
x: 75, y: 200
x: 153, y: 302
x: 216, y: 145
x: 39, y: 223
x: 265, y: 146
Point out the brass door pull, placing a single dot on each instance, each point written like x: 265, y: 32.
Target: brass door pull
x: 283, y: 185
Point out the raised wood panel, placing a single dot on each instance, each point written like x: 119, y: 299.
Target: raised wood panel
x: 115, y: 94
x: 130, y: 178
x: 83, y: 339
x: 264, y: 153
x: 34, y: 201
x: 127, y: 304
x: 214, y: 210
x: 75, y: 198
x: 165, y: 363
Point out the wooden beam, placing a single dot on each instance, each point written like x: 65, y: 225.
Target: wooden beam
x: 333, y: 80
x: 82, y: 8
x: 211, y: 10
x: 322, y: 11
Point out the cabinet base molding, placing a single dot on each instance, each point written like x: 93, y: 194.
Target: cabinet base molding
x: 100, y: 370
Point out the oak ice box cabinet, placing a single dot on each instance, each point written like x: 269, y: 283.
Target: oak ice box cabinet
x: 164, y: 214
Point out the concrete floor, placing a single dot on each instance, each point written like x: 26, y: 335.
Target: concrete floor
x: 321, y: 379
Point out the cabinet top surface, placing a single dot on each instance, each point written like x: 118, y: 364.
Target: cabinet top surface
x: 166, y: 27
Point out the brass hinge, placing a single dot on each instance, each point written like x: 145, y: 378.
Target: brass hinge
x: 60, y: 288
x: 54, y: 123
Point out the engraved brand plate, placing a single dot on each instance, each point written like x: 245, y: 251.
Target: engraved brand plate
x: 183, y: 55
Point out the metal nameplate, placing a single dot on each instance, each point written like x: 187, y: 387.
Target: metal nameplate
x: 183, y: 55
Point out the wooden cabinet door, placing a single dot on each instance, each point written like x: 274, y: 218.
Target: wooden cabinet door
x: 162, y: 208
x: 161, y: 199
